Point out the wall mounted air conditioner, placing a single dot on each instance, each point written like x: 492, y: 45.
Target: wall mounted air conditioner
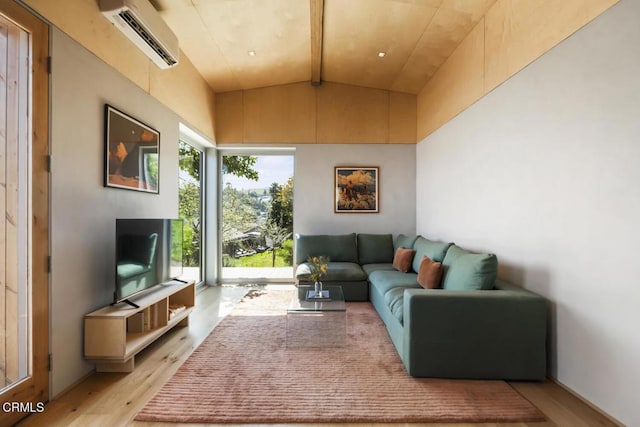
x: 144, y: 26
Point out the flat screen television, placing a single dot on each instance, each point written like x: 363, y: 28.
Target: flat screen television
x: 148, y: 253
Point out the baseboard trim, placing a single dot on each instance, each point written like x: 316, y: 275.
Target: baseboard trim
x: 72, y: 385
x: 586, y: 401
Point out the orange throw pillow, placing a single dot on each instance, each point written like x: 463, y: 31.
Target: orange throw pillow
x: 430, y: 274
x: 403, y: 259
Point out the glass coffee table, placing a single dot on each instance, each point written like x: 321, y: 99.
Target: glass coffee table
x: 317, y: 323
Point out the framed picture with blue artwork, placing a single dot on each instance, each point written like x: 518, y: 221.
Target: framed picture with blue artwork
x: 357, y: 189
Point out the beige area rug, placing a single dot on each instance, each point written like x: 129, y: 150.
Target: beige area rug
x: 244, y: 373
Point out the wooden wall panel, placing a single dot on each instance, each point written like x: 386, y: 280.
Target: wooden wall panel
x: 456, y: 85
x: 88, y: 27
x: 284, y: 114
x: 352, y: 114
x: 230, y: 117
x: 449, y: 27
x: 301, y: 113
x: 355, y: 30
x: 514, y: 33
x: 518, y: 32
x: 193, y: 99
x: 196, y: 41
x: 277, y: 30
x: 402, y: 117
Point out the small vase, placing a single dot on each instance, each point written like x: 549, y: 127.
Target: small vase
x: 318, y: 288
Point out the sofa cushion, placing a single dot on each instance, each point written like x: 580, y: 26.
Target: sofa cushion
x: 403, y: 241
x: 339, y: 248
x: 375, y: 248
x: 384, y: 280
x: 394, y: 300
x: 430, y: 273
x: 430, y: 248
x: 336, y: 272
x: 464, y: 270
x: 370, y: 268
x: 402, y: 260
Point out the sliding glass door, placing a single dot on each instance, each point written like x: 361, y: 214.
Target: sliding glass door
x: 256, y: 205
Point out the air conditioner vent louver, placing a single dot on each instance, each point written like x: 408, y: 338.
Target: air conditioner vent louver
x: 143, y: 25
x: 128, y: 17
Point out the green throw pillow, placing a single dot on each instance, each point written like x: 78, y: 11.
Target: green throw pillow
x: 466, y: 271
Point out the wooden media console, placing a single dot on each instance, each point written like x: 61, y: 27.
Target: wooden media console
x: 114, y: 334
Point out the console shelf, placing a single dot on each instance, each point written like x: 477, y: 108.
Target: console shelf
x: 113, y: 335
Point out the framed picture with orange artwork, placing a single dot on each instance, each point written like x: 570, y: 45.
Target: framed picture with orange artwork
x: 356, y: 189
x: 132, y: 153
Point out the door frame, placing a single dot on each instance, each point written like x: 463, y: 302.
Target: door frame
x: 35, y: 388
x: 207, y: 242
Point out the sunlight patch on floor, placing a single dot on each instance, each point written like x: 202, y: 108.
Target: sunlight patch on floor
x: 280, y: 287
x: 229, y: 296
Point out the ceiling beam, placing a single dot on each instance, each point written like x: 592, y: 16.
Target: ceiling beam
x: 317, y: 12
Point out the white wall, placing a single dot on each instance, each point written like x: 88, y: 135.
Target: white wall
x: 545, y: 172
x: 314, y: 183
x: 83, y: 211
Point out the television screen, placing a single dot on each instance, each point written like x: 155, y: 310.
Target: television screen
x: 148, y: 253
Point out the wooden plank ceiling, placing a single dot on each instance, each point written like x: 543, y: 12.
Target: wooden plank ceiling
x: 245, y: 44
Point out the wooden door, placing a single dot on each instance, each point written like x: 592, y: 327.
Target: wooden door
x: 24, y: 213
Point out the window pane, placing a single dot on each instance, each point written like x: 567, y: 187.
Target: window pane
x: 190, y: 208
x: 15, y: 335
x: 257, y: 217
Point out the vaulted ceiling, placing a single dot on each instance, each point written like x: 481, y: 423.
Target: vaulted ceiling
x: 245, y: 44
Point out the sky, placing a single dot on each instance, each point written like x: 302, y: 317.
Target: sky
x: 270, y: 169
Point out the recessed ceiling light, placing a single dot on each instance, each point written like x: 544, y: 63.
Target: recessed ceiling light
x: 252, y: 53
x: 382, y: 54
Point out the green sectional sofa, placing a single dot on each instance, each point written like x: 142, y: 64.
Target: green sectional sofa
x: 343, y: 269
x: 475, y: 327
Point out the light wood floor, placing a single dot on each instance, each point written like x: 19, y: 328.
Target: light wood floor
x: 109, y: 400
